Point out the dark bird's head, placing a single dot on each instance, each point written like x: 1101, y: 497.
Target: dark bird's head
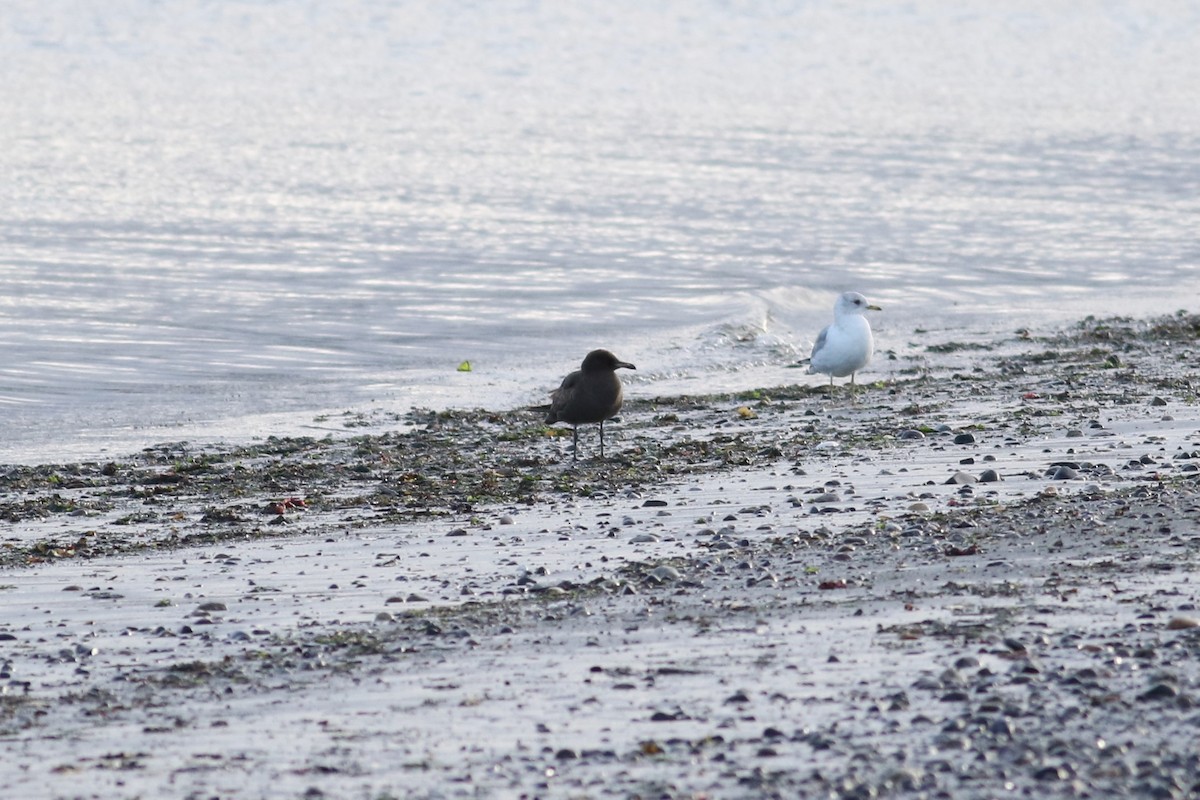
x: 603, y: 361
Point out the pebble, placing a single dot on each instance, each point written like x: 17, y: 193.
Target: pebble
x: 911, y: 434
x: 964, y: 438
x: 1051, y: 773
x: 1159, y: 691
x: 960, y: 478
x: 665, y: 574
x: 1062, y: 473
x: 989, y: 476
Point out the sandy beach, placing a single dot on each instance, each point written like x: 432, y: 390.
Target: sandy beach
x: 975, y: 578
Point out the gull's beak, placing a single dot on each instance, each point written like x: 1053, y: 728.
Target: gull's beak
x: 624, y: 364
x: 874, y: 307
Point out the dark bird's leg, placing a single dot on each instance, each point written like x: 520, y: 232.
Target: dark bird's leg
x: 575, y: 449
x: 602, y: 438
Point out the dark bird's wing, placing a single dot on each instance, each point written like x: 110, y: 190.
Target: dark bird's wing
x: 561, y: 397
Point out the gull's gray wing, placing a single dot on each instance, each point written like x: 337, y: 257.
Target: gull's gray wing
x: 820, y: 342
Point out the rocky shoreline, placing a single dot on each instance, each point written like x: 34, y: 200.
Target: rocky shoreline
x: 976, y: 578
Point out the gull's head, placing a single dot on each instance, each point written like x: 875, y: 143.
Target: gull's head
x: 853, y: 303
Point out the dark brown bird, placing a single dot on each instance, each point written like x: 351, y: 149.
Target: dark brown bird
x: 591, y: 393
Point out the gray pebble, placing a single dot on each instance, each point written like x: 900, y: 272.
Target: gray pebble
x: 664, y: 574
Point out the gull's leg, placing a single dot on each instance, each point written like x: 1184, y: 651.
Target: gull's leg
x: 575, y: 449
x: 602, y: 438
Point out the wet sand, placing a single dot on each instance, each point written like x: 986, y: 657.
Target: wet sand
x: 975, y: 579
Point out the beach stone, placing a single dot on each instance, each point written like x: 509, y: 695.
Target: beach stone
x: 644, y: 538
x: 1001, y: 727
x: 964, y: 438
x: 1159, y: 691
x: 989, y: 476
x: 912, y: 434
x: 906, y: 779
x: 665, y: 574
x: 1182, y: 623
x: 960, y: 478
x: 1062, y: 473
x: 1051, y: 773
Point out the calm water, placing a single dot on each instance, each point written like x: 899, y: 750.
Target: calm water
x: 219, y: 218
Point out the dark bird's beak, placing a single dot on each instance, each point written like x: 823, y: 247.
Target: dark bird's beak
x: 624, y: 364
